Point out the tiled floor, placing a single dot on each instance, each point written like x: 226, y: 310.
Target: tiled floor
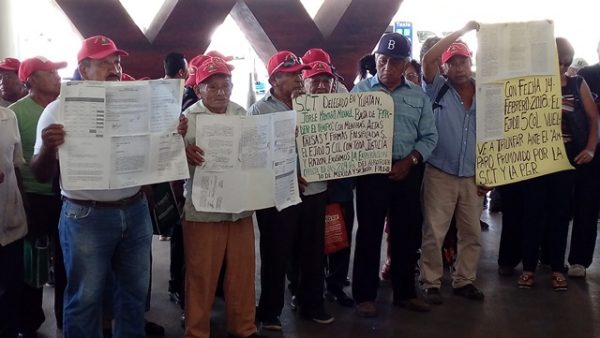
x: 506, y: 312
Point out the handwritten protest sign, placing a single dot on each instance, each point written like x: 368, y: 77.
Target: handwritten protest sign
x: 518, y: 118
x: 344, y: 135
x: 533, y: 144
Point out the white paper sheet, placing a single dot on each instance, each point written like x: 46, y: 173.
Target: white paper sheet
x: 251, y: 165
x: 118, y: 136
x: 490, y: 116
x: 509, y: 50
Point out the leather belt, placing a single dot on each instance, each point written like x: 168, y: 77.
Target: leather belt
x: 122, y: 203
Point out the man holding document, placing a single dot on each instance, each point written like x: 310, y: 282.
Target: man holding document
x: 104, y: 233
x: 212, y: 239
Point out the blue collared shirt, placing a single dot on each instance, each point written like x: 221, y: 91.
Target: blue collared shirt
x: 414, y: 128
x: 455, y: 150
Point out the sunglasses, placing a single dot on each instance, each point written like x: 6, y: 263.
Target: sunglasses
x: 287, y: 63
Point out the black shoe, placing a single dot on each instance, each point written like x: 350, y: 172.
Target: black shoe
x: 347, y: 281
x: 154, y: 330
x: 340, y: 297
x: 469, y: 291
x: 271, y: 324
x: 506, y: 270
x: 432, y: 296
x: 319, y: 316
x: 413, y: 304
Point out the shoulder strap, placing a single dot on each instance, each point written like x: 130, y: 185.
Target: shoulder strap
x: 575, y: 84
x: 436, y: 103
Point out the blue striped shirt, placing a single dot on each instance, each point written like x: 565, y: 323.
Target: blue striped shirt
x: 414, y: 128
x: 455, y: 150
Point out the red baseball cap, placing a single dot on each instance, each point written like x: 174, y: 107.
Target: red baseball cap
x: 198, y: 60
x: 10, y: 64
x: 457, y: 48
x: 318, y: 67
x: 285, y: 62
x: 98, y: 47
x: 211, y: 66
x: 316, y: 54
x: 214, y: 53
x: 37, y: 63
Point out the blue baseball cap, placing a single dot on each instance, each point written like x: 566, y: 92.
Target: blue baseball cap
x: 394, y: 45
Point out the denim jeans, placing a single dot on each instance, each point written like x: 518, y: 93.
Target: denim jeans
x: 96, y: 243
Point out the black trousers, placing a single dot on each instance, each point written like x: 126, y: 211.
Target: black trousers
x: 297, y: 231
x: 586, y: 205
x: 11, y: 284
x: 513, y: 208
x: 376, y: 197
x: 43, y: 214
x: 338, y: 263
x: 548, y: 203
x: 177, y: 265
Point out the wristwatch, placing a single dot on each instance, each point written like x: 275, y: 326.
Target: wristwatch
x: 414, y: 159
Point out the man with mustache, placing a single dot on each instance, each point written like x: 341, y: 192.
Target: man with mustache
x: 296, y: 231
x: 104, y: 233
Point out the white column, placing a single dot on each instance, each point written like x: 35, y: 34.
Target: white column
x: 8, y: 43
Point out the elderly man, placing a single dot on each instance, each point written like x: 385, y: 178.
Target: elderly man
x: 214, y: 239
x: 321, y: 79
x: 449, y: 181
x: 43, y: 204
x: 13, y: 225
x: 395, y: 195
x: 296, y: 231
x: 11, y: 88
x: 103, y: 233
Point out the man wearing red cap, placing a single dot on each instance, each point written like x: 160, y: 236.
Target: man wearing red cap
x: 13, y: 225
x: 105, y: 234
x: 212, y: 239
x: 43, y: 204
x: 11, y: 88
x: 449, y: 181
x: 318, y: 54
x: 338, y: 191
x: 298, y: 227
x: 321, y: 79
x: 395, y: 195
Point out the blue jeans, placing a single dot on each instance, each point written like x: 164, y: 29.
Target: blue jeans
x: 98, y: 242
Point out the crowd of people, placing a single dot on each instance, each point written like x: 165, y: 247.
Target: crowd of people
x: 99, y: 241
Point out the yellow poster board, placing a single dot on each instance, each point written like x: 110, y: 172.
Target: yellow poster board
x: 532, y: 145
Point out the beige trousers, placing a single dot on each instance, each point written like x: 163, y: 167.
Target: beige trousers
x: 445, y: 195
x: 207, y: 246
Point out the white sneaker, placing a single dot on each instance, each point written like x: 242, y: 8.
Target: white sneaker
x: 576, y: 270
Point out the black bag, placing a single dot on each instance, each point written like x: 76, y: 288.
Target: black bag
x: 577, y: 120
x: 166, y: 212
